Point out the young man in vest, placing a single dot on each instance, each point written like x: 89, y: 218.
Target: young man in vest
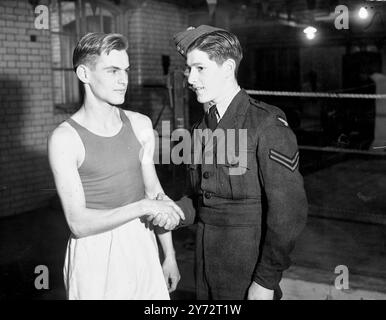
x: 101, y: 159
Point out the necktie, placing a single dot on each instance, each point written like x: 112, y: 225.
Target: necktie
x: 211, y: 118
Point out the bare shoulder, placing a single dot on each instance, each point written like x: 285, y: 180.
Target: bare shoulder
x: 63, y: 134
x: 64, y: 142
x: 142, y: 126
x: 139, y: 119
x: 60, y: 134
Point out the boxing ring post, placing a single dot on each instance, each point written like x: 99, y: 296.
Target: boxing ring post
x: 380, y: 111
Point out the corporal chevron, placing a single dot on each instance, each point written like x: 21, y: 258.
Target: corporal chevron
x: 289, y: 163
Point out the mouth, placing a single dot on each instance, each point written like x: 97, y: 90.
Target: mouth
x: 197, y: 90
x: 123, y: 91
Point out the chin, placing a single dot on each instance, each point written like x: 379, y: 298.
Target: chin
x: 116, y: 102
x: 202, y: 99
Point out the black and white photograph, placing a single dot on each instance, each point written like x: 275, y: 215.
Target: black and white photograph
x: 192, y: 154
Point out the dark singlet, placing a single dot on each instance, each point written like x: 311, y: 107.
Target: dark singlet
x: 111, y: 171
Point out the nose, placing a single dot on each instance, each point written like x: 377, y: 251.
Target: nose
x: 123, y: 78
x: 192, y: 76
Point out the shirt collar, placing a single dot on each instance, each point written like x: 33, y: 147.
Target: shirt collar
x: 223, y: 105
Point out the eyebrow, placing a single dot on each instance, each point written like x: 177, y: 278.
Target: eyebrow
x: 116, y: 68
x: 194, y: 64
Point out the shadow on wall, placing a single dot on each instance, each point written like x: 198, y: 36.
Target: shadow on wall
x: 25, y: 178
x: 26, y: 234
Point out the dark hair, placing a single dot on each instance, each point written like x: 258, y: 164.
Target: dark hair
x: 220, y: 46
x: 93, y: 44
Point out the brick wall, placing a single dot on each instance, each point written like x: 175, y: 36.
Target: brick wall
x: 150, y: 30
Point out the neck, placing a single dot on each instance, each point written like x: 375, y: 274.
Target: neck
x: 226, y: 98
x: 98, y: 113
x: 229, y: 90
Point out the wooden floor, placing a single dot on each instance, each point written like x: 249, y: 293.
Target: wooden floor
x: 353, y: 190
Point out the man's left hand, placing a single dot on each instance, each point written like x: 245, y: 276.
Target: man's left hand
x: 257, y: 292
x: 171, y: 273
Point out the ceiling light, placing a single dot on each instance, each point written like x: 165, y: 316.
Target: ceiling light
x: 310, y: 32
x: 363, y: 13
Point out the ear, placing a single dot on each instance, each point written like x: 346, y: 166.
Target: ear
x: 82, y: 72
x: 230, y: 67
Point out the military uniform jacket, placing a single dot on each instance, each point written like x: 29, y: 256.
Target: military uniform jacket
x: 251, y: 190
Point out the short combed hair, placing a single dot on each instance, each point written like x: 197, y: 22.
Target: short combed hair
x: 93, y: 44
x: 220, y: 46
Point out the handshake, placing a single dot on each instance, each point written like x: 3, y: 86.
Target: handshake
x: 163, y: 212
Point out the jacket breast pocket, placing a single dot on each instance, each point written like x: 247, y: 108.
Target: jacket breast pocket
x: 236, y: 174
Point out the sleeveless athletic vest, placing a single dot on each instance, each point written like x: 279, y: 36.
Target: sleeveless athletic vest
x: 111, y: 171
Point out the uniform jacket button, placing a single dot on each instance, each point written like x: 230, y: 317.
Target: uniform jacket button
x: 208, y: 195
x: 206, y: 175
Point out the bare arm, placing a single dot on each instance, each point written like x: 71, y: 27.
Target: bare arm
x: 63, y: 152
x: 145, y: 134
x: 154, y: 190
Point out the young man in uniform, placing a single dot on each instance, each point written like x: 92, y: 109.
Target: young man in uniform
x: 250, y: 209
x: 101, y: 159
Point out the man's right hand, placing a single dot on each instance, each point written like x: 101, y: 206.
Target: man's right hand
x: 163, y: 213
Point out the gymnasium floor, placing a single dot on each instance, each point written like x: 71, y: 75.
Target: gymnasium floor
x: 346, y: 226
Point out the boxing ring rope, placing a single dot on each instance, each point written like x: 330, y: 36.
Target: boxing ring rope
x: 333, y: 95
x: 351, y: 151
x: 317, y: 94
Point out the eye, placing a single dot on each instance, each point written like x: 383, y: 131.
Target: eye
x: 200, y: 68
